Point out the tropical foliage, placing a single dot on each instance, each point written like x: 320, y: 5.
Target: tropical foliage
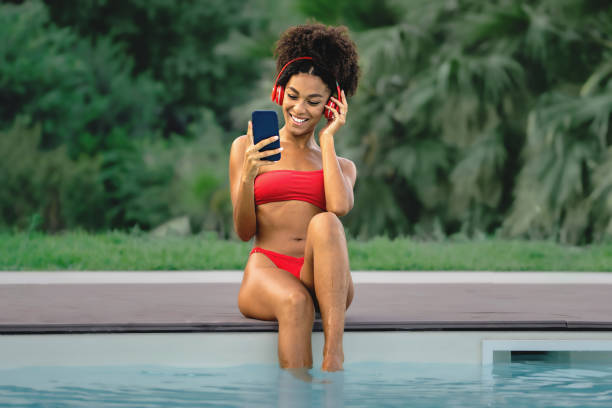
x: 472, y: 118
x: 82, y: 94
x: 45, y: 188
x: 486, y: 117
x: 180, y: 44
x: 83, y: 101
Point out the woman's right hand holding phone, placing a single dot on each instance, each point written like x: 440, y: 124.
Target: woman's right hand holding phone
x: 253, y: 158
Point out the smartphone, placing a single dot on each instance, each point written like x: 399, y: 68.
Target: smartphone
x: 265, y: 124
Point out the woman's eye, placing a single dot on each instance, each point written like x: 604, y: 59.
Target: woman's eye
x: 313, y: 103
x: 292, y: 96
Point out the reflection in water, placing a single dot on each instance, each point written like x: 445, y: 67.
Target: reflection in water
x: 360, y: 385
x: 299, y: 388
x: 333, y: 390
x: 294, y: 389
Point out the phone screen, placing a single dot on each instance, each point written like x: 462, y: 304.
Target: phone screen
x: 265, y: 125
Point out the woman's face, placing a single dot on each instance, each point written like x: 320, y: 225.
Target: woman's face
x: 305, y: 96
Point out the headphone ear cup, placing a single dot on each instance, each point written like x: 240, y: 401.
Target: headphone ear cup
x: 273, y: 94
x: 328, y: 113
x: 281, y: 95
x: 278, y: 93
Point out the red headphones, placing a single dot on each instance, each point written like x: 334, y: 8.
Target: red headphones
x: 278, y: 91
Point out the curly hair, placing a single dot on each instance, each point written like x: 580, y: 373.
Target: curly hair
x: 334, y: 55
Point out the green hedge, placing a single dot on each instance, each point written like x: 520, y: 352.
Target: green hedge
x: 82, y: 93
x: 81, y: 136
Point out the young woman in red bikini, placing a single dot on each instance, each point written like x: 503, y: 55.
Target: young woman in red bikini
x: 292, y: 206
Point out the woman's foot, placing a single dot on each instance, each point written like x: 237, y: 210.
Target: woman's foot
x: 333, y: 362
x: 303, y: 374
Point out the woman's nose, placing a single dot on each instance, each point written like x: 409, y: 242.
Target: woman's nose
x: 300, y: 106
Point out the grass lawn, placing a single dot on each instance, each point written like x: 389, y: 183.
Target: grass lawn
x: 123, y: 251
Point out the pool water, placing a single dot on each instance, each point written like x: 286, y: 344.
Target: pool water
x: 528, y: 384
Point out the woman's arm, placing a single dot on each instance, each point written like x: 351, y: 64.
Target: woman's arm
x: 243, y: 200
x: 339, y: 174
x: 245, y: 161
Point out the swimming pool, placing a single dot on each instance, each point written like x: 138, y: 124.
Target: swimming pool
x: 58, y: 347
x: 416, y: 369
x: 525, y: 384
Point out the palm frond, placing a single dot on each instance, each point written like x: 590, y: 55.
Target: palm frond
x: 391, y: 49
x: 560, y: 113
x: 493, y: 28
x: 375, y: 202
x: 598, y: 78
x: 477, y: 176
x: 601, y: 198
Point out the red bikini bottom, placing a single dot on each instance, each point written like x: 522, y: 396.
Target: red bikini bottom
x: 288, y: 263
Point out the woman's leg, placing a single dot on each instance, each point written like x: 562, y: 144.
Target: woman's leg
x: 270, y: 293
x: 326, y: 272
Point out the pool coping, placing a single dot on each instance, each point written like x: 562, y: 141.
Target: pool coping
x: 235, y: 276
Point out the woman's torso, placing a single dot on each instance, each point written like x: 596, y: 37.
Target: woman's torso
x: 282, y: 225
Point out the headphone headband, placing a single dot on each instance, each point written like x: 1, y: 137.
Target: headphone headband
x: 287, y: 64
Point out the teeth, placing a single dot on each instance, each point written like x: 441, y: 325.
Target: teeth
x: 298, y: 120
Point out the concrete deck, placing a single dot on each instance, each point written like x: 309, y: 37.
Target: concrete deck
x: 109, y: 302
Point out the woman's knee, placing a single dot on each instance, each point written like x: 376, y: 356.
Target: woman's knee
x: 327, y: 225
x: 296, y: 305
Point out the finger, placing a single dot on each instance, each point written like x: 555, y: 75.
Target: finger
x: 338, y: 101
x: 333, y: 110
x: 343, y: 106
x: 267, y: 162
x: 267, y: 153
x: 266, y: 142
x: 250, y: 132
x: 342, y: 99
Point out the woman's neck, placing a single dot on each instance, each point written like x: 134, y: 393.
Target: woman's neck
x: 304, y: 141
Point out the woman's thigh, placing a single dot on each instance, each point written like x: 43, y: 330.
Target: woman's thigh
x: 322, y: 229
x: 266, y: 289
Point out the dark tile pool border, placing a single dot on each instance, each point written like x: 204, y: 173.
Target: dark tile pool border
x: 257, y: 326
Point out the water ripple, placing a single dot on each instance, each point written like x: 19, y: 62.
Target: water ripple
x: 361, y: 385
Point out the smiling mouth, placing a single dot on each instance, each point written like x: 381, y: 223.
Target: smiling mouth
x: 297, y: 121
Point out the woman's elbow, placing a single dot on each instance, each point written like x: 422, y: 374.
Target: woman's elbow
x: 339, y: 210
x: 245, y: 234
x: 245, y: 238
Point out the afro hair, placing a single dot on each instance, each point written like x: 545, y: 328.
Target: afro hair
x: 334, y: 55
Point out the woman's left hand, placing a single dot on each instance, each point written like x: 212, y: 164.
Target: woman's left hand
x: 339, y: 117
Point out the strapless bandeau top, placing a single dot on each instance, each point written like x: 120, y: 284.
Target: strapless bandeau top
x: 284, y: 185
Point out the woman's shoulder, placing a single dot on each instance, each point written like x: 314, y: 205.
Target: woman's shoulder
x: 238, y: 145
x: 239, y: 141
x: 237, y: 151
x: 346, y: 163
x: 348, y: 169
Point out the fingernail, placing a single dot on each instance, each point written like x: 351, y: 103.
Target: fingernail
x: 276, y: 137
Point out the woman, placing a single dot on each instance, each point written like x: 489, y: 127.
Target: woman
x: 291, y: 206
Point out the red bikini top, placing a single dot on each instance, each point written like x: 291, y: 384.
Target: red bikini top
x: 284, y: 185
